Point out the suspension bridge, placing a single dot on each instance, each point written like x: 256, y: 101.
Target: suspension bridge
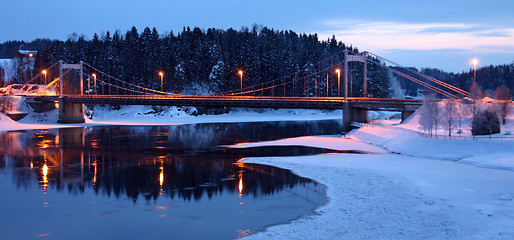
x: 81, y: 83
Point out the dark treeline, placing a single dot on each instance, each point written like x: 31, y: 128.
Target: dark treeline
x: 197, y: 61
x: 9, y: 49
x: 209, y: 60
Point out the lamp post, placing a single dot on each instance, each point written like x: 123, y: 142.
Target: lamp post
x: 94, y: 79
x: 475, y: 63
x: 161, y: 73
x: 338, y: 71
x: 44, y: 72
x: 241, y: 75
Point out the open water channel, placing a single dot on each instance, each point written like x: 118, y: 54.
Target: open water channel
x: 152, y: 182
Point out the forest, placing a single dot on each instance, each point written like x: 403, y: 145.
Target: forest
x: 211, y: 59
x: 198, y: 61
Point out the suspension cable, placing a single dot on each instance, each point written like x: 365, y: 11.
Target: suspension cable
x: 233, y: 92
x: 39, y: 74
x: 441, y: 83
x: 130, y: 84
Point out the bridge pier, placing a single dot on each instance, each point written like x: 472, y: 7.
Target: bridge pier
x: 406, y: 114
x: 353, y: 114
x: 71, y: 84
x: 70, y: 112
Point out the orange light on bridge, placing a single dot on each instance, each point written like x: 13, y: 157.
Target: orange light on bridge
x: 161, y: 73
x: 338, y: 71
x: 94, y: 79
x: 241, y: 75
x: 44, y: 72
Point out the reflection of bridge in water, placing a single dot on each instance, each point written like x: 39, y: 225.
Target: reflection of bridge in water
x: 297, y: 90
x: 137, y: 164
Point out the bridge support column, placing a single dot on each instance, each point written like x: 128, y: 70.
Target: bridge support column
x: 352, y: 114
x: 406, y: 114
x: 70, y: 112
x: 71, y: 83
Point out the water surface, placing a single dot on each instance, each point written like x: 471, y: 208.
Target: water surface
x: 172, y: 182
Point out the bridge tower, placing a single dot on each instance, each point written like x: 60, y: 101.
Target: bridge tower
x: 70, y: 84
x: 353, y: 114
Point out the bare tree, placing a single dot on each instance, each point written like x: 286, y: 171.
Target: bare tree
x: 6, y: 104
x: 451, y: 114
x: 2, y: 76
x: 476, y: 94
x: 503, y: 105
x: 429, y: 114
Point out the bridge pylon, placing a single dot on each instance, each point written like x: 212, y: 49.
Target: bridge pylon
x: 70, y: 84
x: 363, y: 58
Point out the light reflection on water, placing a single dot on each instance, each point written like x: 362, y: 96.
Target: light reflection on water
x: 144, y: 182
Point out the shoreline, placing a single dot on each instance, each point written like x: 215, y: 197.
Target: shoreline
x: 32, y: 121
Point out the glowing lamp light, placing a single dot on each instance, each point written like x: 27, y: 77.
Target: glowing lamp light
x: 338, y: 71
x: 241, y: 74
x: 161, y: 73
x: 474, y: 62
x: 44, y: 72
x: 31, y: 55
x: 161, y: 176
x: 240, y: 186
x: 45, y: 176
x: 45, y: 170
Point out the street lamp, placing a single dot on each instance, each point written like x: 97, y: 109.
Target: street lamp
x: 241, y: 74
x: 475, y: 63
x: 94, y: 77
x: 44, y: 73
x: 338, y: 71
x: 161, y: 73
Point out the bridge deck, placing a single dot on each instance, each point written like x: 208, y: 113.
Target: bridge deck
x: 240, y: 101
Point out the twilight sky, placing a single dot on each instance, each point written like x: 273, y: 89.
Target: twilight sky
x: 443, y: 34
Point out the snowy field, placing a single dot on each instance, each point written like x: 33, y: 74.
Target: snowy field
x: 410, y: 187
x: 423, y: 188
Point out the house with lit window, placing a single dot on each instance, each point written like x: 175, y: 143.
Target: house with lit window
x: 28, y: 54
x: 19, y: 68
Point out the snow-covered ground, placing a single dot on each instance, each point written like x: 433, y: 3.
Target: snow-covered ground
x: 424, y: 188
x: 145, y: 115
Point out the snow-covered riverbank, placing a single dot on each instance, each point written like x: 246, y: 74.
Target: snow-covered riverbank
x: 433, y: 193
x: 139, y: 115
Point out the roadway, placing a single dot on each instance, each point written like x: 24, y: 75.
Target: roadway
x: 239, y: 101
